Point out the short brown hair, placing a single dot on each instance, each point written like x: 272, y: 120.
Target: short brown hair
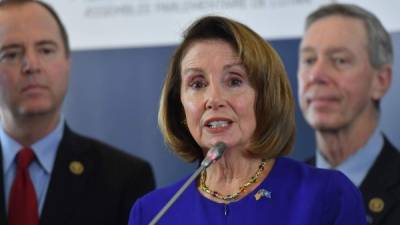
x: 53, y: 13
x: 274, y: 108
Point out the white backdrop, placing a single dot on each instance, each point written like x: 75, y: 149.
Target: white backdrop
x: 99, y: 24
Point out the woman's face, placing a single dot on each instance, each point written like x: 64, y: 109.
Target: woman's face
x: 216, y: 95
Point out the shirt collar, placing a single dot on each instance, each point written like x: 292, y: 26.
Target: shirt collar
x: 45, y: 149
x: 357, y: 165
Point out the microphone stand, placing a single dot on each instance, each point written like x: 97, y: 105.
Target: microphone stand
x: 212, y: 155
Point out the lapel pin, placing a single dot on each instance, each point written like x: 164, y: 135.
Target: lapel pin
x: 76, y: 167
x: 376, y: 205
x: 262, y: 193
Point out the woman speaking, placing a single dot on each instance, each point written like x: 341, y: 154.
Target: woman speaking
x: 226, y: 84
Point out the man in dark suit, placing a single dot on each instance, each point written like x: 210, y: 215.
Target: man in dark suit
x: 49, y: 174
x: 345, y: 68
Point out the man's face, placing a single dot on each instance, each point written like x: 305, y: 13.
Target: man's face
x: 34, y: 67
x: 337, y: 84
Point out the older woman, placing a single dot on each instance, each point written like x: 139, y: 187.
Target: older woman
x: 226, y: 84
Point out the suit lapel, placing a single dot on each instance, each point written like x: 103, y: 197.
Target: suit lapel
x: 68, y: 181
x: 382, y: 184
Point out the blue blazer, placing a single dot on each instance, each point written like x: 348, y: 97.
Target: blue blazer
x: 297, y: 195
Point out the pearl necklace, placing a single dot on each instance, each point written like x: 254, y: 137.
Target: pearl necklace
x: 234, y: 196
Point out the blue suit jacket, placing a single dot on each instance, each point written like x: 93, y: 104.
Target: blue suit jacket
x: 299, y: 195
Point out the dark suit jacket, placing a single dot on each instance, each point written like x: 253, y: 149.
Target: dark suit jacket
x: 101, y: 195
x: 383, y: 182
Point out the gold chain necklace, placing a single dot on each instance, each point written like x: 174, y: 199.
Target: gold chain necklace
x: 234, y: 196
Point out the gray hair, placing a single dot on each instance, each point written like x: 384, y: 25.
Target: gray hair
x: 379, y: 46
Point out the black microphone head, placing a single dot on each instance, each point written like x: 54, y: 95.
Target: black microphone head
x: 215, y: 153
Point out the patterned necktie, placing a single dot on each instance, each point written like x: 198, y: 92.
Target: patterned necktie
x: 22, y: 205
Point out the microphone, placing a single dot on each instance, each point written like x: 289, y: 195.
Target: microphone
x: 213, y: 154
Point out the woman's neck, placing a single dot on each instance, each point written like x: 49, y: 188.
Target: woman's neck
x: 227, y: 175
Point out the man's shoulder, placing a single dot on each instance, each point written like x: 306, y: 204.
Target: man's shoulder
x: 382, y: 185
x: 388, y: 159
x: 95, y: 148
x: 386, y: 165
x: 389, y: 150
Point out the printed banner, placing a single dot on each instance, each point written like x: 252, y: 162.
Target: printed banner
x: 102, y: 24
